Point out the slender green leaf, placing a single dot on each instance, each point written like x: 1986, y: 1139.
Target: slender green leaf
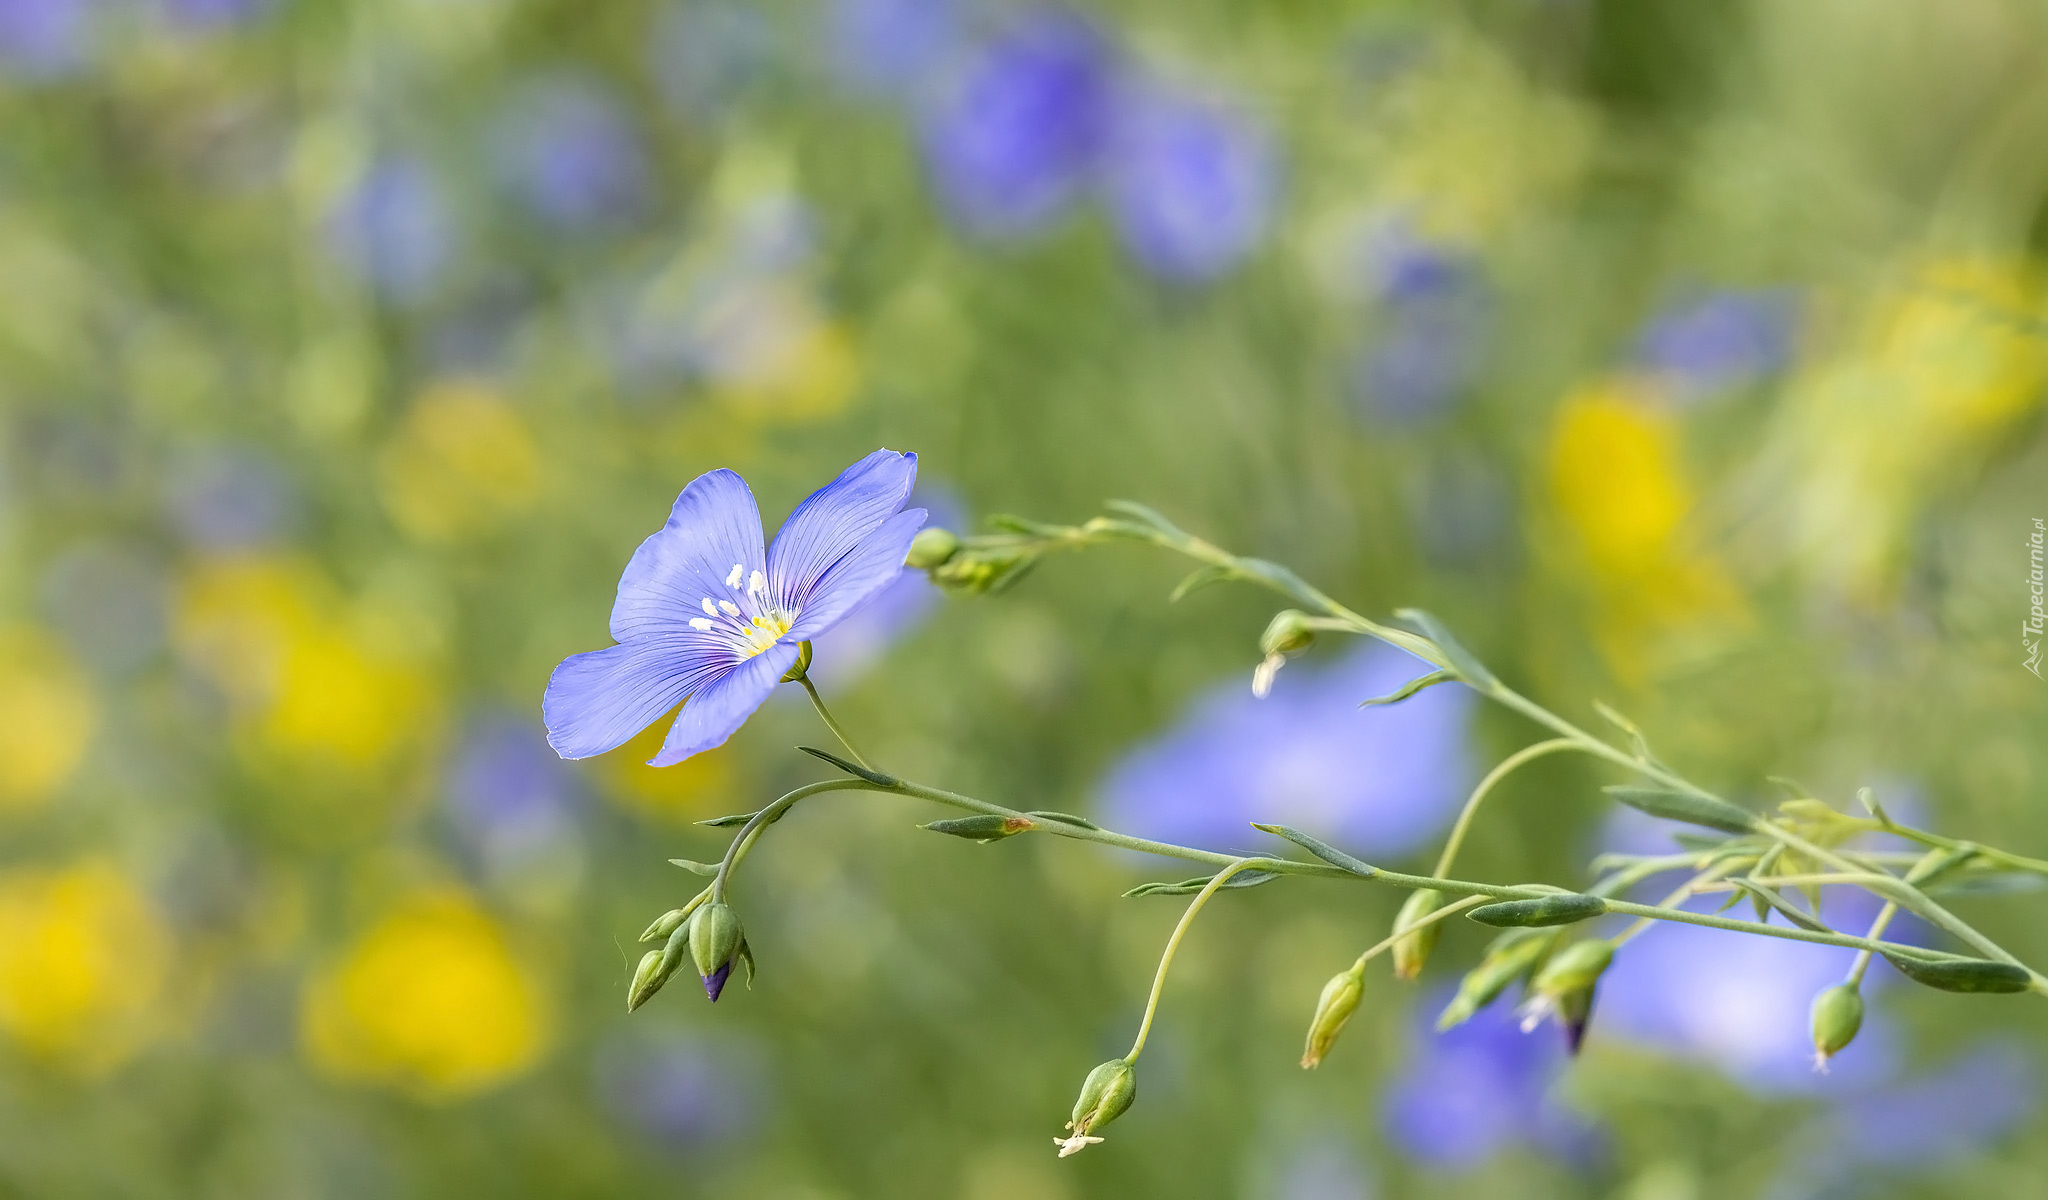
x: 1252, y: 877
x: 1197, y: 579
x: 1567, y: 909
x: 1961, y: 974
x: 1690, y: 807
x: 1063, y: 818
x: 1409, y: 689
x: 1765, y: 898
x: 696, y: 867
x: 728, y: 821
x: 1461, y: 660
x: 1321, y: 849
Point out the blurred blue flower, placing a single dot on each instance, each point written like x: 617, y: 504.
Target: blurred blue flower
x: 1873, y: 1134
x: 396, y: 228
x: 1192, y: 183
x: 1480, y: 1088
x: 1018, y: 135
x: 691, y: 626
x: 1434, y: 318
x: 1719, y: 340
x: 1980, y: 1097
x: 45, y: 39
x: 890, y: 47
x: 1380, y: 781
x: 509, y: 797
x: 570, y: 153
x: 686, y: 1094
x: 703, y: 54
x: 228, y: 498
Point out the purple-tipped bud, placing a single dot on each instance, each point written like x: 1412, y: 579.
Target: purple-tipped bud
x: 715, y: 939
x: 714, y: 983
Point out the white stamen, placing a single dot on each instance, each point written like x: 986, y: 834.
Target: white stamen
x: 731, y: 609
x: 757, y: 584
x: 701, y: 624
x: 1262, y: 676
x: 733, y: 580
x: 710, y: 609
x: 1074, y: 1145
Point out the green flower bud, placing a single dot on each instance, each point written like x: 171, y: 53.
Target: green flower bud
x: 1287, y: 633
x: 1333, y: 1008
x: 1961, y: 974
x: 1564, y: 988
x: 665, y: 924
x: 1574, y: 968
x: 983, y: 828
x: 1837, y: 1015
x: 1105, y: 1094
x: 1412, y: 951
x: 1510, y: 958
x: 715, y: 937
x: 1566, y: 909
x: 982, y: 569
x: 931, y: 548
x: 648, y: 977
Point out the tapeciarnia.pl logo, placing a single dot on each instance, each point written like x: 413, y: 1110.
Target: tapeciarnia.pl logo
x: 2030, y: 629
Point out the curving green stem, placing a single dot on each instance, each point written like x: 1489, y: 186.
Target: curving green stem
x: 1173, y: 947
x: 825, y: 715
x: 1502, y: 770
x: 751, y: 831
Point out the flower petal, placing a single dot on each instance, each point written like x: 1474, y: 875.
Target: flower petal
x: 854, y: 579
x: 835, y: 519
x: 714, y: 526
x: 719, y: 707
x: 598, y: 701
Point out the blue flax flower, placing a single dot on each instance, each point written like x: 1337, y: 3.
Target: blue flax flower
x: 1382, y: 781
x: 703, y: 613
x: 1191, y: 184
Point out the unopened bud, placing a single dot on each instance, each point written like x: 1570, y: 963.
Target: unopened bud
x: 932, y: 547
x: 1564, y: 988
x: 1510, y: 958
x: 1333, y: 1009
x: 1105, y: 1094
x: 647, y: 979
x: 983, y: 828
x: 1412, y: 951
x: 665, y: 924
x: 982, y: 569
x: 714, y: 942
x: 1566, y: 908
x: 1837, y: 1015
x: 1287, y: 633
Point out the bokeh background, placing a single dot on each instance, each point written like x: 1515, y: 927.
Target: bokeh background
x: 1686, y: 355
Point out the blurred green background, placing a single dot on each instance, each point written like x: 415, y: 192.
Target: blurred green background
x: 1686, y: 355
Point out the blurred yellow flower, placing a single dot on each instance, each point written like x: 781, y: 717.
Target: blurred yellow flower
x: 430, y: 1000
x: 82, y: 960
x: 46, y: 717
x: 1618, y: 480
x: 698, y: 787
x: 462, y: 463
x: 319, y: 709
x: 1916, y: 405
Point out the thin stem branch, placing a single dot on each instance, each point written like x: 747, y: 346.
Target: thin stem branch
x: 1173, y: 947
x: 1680, y: 895
x: 1432, y: 918
x: 825, y: 715
x: 1502, y: 770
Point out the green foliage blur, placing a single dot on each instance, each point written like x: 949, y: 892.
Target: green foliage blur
x: 1682, y: 355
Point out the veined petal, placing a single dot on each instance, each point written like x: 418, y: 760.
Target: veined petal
x: 714, y: 527
x: 718, y: 708
x: 835, y: 519
x: 598, y: 701
x: 854, y: 579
